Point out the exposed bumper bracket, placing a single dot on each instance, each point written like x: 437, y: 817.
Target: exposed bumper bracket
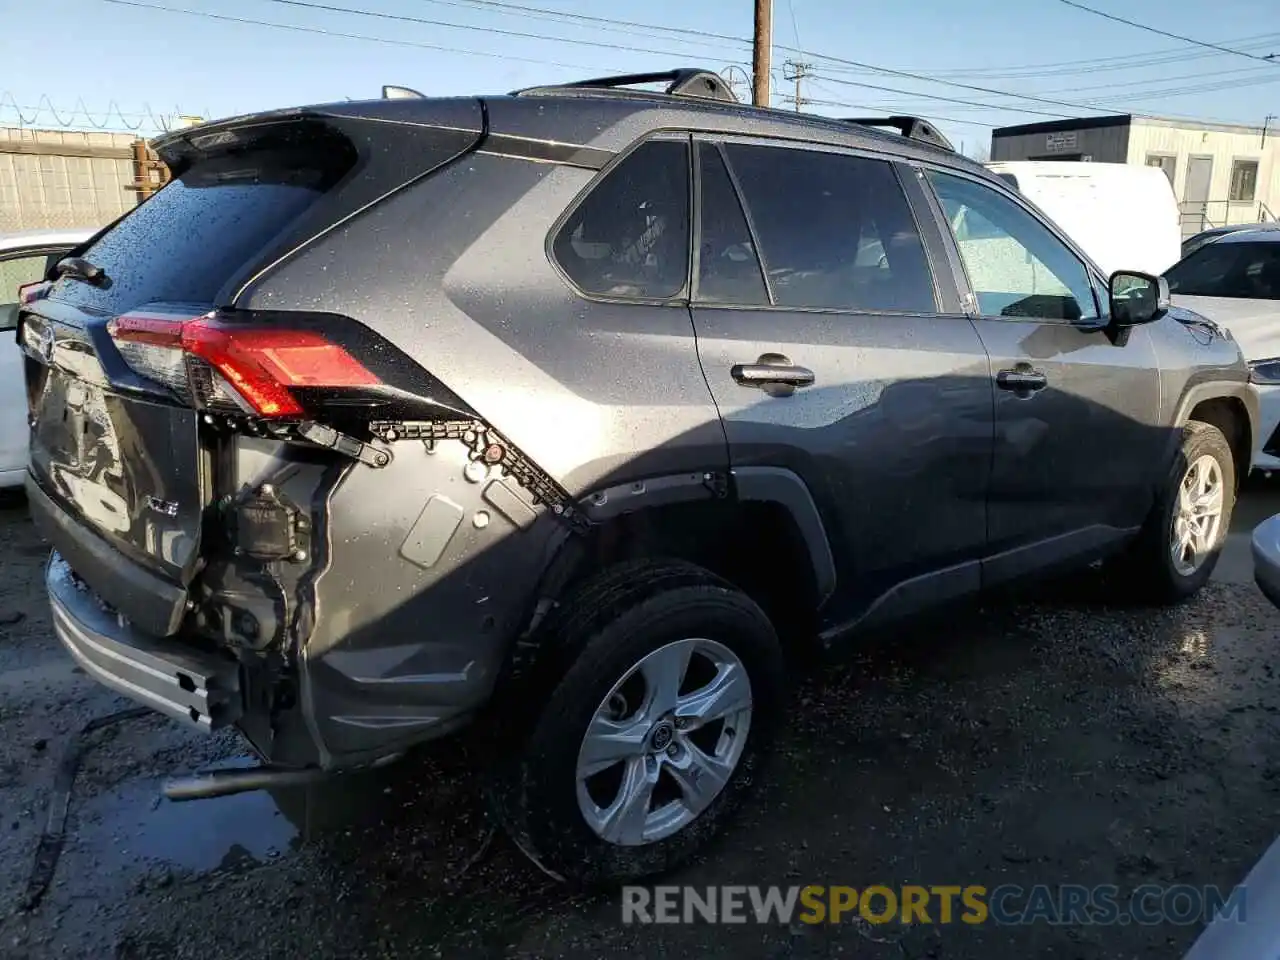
x: 187, y: 684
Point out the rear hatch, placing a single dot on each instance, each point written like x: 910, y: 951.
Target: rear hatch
x: 125, y: 352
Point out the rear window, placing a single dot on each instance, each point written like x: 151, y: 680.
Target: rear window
x: 1238, y: 270
x: 186, y: 242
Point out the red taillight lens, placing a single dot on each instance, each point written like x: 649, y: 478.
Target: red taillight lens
x: 256, y: 367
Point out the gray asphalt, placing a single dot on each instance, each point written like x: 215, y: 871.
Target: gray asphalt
x: 1052, y: 739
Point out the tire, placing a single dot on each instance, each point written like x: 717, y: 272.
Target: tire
x: 1160, y: 578
x: 598, y: 637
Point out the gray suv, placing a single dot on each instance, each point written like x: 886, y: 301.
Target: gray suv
x: 565, y: 415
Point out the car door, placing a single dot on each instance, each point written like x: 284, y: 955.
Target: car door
x: 17, y: 267
x: 1078, y: 445
x: 834, y: 352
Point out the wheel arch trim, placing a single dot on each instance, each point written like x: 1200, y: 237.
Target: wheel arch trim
x: 785, y: 488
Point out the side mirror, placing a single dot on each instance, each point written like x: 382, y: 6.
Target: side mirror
x: 1137, y: 297
x: 8, y: 317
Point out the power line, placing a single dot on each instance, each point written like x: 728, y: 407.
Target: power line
x: 1126, y: 61
x: 1269, y: 58
x: 934, y: 96
x: 925, y: 78
x: 882, y: 109
x: 541, y: 61
x: 405, y: 18
x: 1122, y: 61
x: 795, y: 27
x: 496, y: 31
x: 603, y: 23
x: 1251, y: 77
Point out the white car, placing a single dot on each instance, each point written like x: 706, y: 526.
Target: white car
x: 1235, y: 282
x: 24, y: 257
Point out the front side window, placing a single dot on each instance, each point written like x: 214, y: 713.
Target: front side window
x: 629, y: 237
x: 1244, y: 181
x: 1016, y: 266
x: 835, y: 231
x: 1248, y: 271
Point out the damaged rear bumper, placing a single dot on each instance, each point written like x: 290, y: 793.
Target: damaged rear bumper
x: 198, y: 687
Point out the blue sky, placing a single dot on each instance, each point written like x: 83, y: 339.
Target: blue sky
x: 64, y: 52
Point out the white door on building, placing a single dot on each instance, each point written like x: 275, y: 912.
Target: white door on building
x: 1195, y: 197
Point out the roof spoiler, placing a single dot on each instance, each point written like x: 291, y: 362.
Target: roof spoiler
x: 684, y: 82
x: 913, y: 128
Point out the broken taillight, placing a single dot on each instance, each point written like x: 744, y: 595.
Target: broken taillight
x: 31, y: 292
x: 219, y: 365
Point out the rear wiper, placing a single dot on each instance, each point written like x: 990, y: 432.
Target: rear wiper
x: 78, y: 268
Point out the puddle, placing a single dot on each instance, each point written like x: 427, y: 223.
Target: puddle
x: 134, y: 826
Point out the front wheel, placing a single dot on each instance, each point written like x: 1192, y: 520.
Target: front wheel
x: 654, y: 732
x: 1179, y: 547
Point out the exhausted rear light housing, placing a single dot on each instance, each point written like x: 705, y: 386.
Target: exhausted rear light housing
x: 217, y: 364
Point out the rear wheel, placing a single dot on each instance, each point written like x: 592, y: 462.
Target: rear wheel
x: 650, y: 738
x: 1179, y: 547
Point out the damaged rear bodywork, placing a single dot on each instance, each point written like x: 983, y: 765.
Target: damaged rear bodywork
x: 375, y: 620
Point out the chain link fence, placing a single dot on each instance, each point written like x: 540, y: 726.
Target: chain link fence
x: 52, y: 179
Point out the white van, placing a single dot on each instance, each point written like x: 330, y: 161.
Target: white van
x: 1124, y: 217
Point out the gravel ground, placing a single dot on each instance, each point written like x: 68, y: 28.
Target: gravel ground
x: 1045, y: 740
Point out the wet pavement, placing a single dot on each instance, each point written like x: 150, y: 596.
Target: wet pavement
x: 1053, y: 739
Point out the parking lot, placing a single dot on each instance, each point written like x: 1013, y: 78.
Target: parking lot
x: 1053, y: 739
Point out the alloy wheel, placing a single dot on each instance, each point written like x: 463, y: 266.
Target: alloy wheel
x: 664, y: 742
x: 1197, y: 519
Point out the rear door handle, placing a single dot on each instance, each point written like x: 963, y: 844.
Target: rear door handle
x: 772, y: 369
x: 1023, y: 379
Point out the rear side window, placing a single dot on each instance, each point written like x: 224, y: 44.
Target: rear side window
x: 1238, y: 270
x: 728, y: 265
x: 188, y: 240
x: 835, y: 231
x: 629, y: 237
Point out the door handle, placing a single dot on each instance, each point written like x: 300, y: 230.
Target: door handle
x: 1022, y: 379
x: 772, y: 369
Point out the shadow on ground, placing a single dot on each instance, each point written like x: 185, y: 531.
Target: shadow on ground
x: 1050, y: 738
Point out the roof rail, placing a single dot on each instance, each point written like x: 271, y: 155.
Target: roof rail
x: 913, y: 128
x: 684, y: 82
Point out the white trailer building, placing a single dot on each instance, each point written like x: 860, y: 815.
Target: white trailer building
x: 1221, y: 173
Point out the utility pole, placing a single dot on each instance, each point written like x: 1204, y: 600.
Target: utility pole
x: 762, y: 47
x: 1265, y: 124
x: 792, y: 70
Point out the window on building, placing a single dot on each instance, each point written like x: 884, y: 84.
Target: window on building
x: 1165, y: 162
x: 728, y: 266
x: 1244, y: 181
x: 630, y: 236
x: 1016, y: 266
x: 835, y: 230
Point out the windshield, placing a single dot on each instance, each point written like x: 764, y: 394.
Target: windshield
x: 1237, y: 270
